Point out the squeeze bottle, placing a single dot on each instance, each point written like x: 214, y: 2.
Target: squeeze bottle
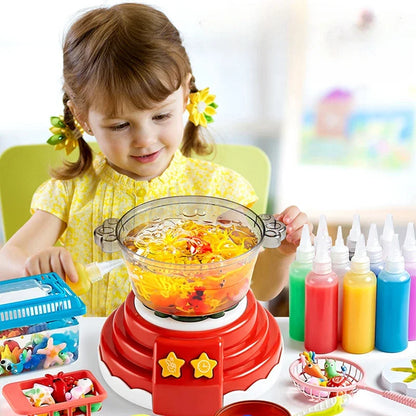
x: 409, y: 254
x: 91, y: 273
x: 298, y: 270
x: 393, y: 292
x: 387, y: 235
x: 359, y: 303
x: 353, y: 235
x: 321, y: 303
x: 322, y: 232
x: 374, y: 250
x: 340, y: 265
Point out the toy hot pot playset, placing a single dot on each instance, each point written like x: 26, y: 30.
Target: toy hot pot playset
x: 190, y: 338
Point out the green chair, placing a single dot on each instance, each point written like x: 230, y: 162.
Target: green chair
x: 24, y: 168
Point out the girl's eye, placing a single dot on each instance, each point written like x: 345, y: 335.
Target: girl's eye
x: 161, y: 117
x: 119, y: 126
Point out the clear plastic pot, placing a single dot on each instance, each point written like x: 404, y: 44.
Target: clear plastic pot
x: 189, y: 289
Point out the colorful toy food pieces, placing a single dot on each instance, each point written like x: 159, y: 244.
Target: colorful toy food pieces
x: 335, y: 379
x: 316, y: 377
x: 311, y: 367
x: 39, y: 395
x: 61, y: 388
x: 52, y: 353
x: 60, y: 385
x: 82, y: 387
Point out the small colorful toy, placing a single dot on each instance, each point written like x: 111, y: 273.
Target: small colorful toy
x: 311, y: 368
x: 335, y: 379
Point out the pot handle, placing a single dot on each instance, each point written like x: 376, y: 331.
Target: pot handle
x: 105, y: 236
x: 275, y: 231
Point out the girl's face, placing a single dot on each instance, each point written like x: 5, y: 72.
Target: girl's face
x: 141, y: 143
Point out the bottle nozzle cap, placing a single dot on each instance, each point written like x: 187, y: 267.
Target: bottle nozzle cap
x: 374, y: 249
x: 322, y: 232
x: 360, y: 262
x: 305, y: 250
x: 395, y: 260
x: 97, y: 270
x: 409, y: 245
x: 321, y: 261
x: 354, y: 233
x: 339, y: 252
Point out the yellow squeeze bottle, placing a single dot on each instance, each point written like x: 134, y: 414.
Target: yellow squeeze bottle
x: 91, y: 273
x: 359, y: 303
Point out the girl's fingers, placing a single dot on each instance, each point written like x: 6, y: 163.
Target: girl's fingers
x: 69, y: 268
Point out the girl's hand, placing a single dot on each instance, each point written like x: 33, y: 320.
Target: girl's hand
x: 52, y: 259
x: 294, y: 220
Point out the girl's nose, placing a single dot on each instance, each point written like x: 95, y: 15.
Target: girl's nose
x: 143, y: 135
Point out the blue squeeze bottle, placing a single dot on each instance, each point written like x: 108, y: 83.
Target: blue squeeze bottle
x: 392, y: 310
x: 374, y: 250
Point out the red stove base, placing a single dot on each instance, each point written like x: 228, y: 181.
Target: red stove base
x: 187, y: 373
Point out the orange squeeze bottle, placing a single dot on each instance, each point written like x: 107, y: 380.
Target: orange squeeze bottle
x: 359, y: 303
x: 90, y: 273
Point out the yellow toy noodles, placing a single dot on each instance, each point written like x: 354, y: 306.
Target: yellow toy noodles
x: 168, y: 285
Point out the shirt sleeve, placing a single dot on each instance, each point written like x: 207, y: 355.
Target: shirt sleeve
x: 53, y: 197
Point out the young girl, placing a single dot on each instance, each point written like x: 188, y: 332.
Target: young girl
x: 127, y: 82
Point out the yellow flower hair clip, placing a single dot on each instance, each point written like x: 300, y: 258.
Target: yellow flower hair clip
x: 63, y: 137
x: 201, y: 107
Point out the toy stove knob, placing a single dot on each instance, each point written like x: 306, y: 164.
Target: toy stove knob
x: 275, y: 231
x: 105, y: 236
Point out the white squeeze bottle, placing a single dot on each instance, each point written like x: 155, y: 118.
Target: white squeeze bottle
x: 387, y: 235
x: 340, y: 265
x: 322, y: 232
x: 374, y: 250
x: 353, y: 235
x: 91, y: 273
x: 409, y: 254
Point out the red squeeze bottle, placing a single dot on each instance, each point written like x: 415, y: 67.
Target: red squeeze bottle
x: 321, y: 303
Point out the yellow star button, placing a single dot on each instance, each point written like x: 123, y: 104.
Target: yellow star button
x: 203, y: 366
x: 171, y: 365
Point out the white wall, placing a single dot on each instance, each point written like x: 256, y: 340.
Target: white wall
x: 237, y: 48
x: 326, y: 49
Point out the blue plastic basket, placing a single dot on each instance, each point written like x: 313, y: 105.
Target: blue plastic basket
x: 36, y: 299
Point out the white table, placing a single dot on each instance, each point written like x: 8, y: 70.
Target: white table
x: 283, y: 392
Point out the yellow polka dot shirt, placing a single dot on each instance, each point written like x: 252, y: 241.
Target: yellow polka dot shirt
x: 83, y: 203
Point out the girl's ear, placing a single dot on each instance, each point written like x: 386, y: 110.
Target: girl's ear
x: 186, y: 91
x: 77, y: 115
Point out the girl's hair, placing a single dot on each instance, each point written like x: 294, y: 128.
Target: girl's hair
x: 128, y: 52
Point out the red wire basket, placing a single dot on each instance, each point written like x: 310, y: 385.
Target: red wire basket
x: 21, y: 405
